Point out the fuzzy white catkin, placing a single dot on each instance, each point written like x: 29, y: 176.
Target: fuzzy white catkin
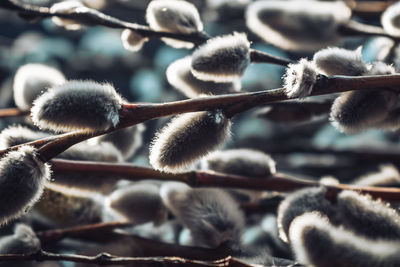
x: 339, y: 61
x: 210, y: 214
x: 300, y: 78
x: 315, y: 242
x: 127, y: 140
x: 23, y: 241
x: 66, y: 7
x: 137, y: 203
x: 22, y: 179
x: 187, y: 138
x: 390, y: 20
x: 77, y: 105
x: 132, y: 40
x: 245, y: 162
x: 387, y: 175
x: 297, y: 25
x: 174, y: 16
x: 222, y: 58
x: 16, y: 135
x: 180, y: 76
x: 33, y: 79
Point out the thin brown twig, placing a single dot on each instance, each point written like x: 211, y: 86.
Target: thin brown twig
x: 12, y: 112
x: 278, y: 182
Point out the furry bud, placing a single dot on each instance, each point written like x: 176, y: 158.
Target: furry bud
x: 187, y: 138
x: 22, y: 179
x: 127, y: 140
x: 16, y: 135
x: 66, y: 7
x: 300, y: 202
x: 132, y: 40
x: 300, y: 78
x: 297, y: 25
x: 58, y: 208
x: 222, y: 58
x: 354, y: 111
x: 104, y: 152
x: 317, y: 243
x: 390, y: 20
x: 368, y: 217
x: 339, y: 61
x: 77, y: 105
x: 211, y: 215
x: 23, y: 241
x: 174, y: 16
x: 245, y: 162
x: 31, y: 80
x: 180, y: 76
x: 138, y: 203
x: 388, y: 175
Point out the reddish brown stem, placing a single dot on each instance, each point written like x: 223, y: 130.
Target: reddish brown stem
x: 278, y: 182
x: 12, y: 112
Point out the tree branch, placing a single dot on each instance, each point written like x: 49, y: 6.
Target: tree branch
x: 278, y: 182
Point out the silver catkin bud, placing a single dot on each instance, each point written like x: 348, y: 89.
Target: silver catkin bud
x: 180, y: 76
x: 174, y: 16
x: 387, y: 175
x: 138, y: 203
x: 22, y: 179
x: 16, y: 135
x: 187, y: 138
x: 245, y: 162
x: 33, y: 79
x: 315, y: 242
x: 23, y: 241
x: 132, y: 41
x: 77, y: 105
x: 300, y: 78
x: 127, y: 140
x: 222, y: 59
x: 211, y: 215
x: 300, y: 202
x: 390, y: 20
x: 66, y: 7
x: 297, y: 25
x: 339, y: 61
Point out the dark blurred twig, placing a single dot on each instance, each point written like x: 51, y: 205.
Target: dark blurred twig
x: 277, y: 182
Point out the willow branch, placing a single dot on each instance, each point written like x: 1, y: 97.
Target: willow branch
x: 354, y: 28
x: 368, y: 8
x: 231, y: 105
x: 108, y: 259
x: 79, y: 231
x: 278, y: 182
x: 12, y: 112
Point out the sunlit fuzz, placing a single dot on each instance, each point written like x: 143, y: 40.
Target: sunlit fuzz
x: 66, y: 7
x: 176, y: 17
x: 180, y: 76
x: 355, y: 111
x: 127, y: 140
x: 300, y: 202
x: 57, y: 208
x: 390, y: 20
x: 300, y: 78
x: 77, y: 105
x: 245, y: 162
x: 222, y: 58
x: 210, y: 214
x: 387, y: 175
x: 31, y: 80
x: 340, y: 61
x: 381, y: 68
x: 137, y: 203
x: 187, y: 138
x: 297, y: 25
x: 103, y: 152
x: 132, y: 40
x: 22, y: 180
x: 16, y: 135
x: 368, y: 217
x: 315, y: 242
x: 23, y: 241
